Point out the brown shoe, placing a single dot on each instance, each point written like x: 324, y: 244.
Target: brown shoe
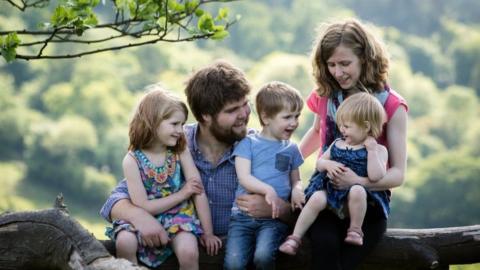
x: 354, y: 237
x: 291, y: 245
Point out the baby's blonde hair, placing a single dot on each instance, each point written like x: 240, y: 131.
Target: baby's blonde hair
x: 364, y: 110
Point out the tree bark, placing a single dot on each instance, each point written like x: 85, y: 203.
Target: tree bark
x: 51, y: 239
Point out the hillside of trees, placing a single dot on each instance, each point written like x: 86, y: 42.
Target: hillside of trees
x: 63, y: 123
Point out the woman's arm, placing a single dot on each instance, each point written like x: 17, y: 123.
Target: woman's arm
x: 191, y: 173
x: 138, y: 195
x: 311, y: 140
x: 397, y: 152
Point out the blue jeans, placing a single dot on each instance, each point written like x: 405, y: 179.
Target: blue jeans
x: 249, y: 237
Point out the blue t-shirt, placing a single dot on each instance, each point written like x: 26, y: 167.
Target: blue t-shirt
x: 271, y: 162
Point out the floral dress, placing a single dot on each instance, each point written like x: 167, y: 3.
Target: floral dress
x: 160, y: 182
x: 336, y: 199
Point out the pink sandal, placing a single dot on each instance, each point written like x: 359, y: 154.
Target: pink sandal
x: 354, y: 237
x: 291, y: 245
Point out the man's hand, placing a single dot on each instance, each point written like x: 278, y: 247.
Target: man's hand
x: 256, y: 206
x: 211, y: 243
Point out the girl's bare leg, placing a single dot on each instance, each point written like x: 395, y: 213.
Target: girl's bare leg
x: 126, y: 245
x: 357, y: 208
x: 185, y: 247
x: 316, y: 203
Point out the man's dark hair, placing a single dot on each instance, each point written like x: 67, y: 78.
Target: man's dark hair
x: 211, y: 88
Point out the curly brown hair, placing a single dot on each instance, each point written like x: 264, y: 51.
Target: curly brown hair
x: 368, y: 48
x: 154, y: 107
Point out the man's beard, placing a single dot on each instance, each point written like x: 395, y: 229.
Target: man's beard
x: 228, y: 136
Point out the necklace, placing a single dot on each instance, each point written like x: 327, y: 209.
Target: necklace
x: 160, y: 173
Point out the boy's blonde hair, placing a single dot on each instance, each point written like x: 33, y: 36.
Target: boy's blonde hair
x: 275, y: 96
x: 364, y: 110
x: 154, y: 107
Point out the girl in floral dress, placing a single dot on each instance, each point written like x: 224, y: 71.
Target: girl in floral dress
x: 163, y: 180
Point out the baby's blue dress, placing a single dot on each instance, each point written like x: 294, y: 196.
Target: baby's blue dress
x: 337, y: 199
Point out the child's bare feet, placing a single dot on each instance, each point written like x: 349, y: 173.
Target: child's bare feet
x: 354, y: 237
x: 291, y: 245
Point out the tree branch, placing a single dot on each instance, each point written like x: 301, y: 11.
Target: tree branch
x: 113, y: 48
x: 144, y: 22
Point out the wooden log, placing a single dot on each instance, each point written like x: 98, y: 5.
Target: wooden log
x: 51, y: 239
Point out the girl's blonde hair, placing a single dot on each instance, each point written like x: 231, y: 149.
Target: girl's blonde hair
x: 275, y: 96
x: 154, y: 107
x: 364, y: 110
x: 369, y: 49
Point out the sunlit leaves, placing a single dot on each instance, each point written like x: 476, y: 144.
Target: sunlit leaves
x: 147, y: 21
x: 8, y: 46
x: 76, y: 14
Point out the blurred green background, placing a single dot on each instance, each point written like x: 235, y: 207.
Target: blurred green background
x: 63, y: 123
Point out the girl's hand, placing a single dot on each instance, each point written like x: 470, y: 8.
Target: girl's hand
x: 298, y: 198
x: 271, y: 198
x: 192, y: 187
x: 333, y: 168
x: 211, y: 243
x: 370, y: 143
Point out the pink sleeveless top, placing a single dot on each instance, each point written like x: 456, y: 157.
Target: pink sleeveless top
x: 318, y: 105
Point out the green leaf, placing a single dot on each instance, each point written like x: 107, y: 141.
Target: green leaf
x: 161, y: 21
x: 8, y: 46
x: 199, y: 12
x: 222, y: 14
x: 91, y: 20
x: 191, y: 5
x: 220, y: 35
x: 205, y: 23
x: 9, y: 54
x: 11, y: 40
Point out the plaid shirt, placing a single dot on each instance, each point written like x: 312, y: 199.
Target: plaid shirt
x: 220, y: 182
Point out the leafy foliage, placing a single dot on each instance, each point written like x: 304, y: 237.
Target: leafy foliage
x: 76, y: 22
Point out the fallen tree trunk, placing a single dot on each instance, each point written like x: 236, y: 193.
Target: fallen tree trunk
x: 51, y: 239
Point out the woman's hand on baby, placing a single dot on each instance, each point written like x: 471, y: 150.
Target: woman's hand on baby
x: 192, y: 187
x: 346, y: 179
x: 333, y: 168
x: 211, y: 243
